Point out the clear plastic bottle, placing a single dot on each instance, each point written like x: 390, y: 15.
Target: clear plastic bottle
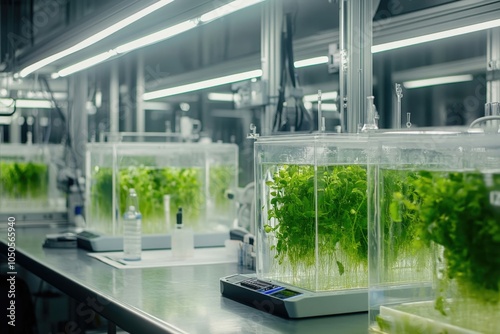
x: 182, y: 240
x: 132, y: 229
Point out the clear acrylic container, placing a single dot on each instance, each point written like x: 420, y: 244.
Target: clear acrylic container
x: 166, y: 176
x: 311, y: 211
x: 434, y: 233
x: 28, y: 179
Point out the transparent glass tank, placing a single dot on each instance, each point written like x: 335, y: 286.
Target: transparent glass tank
x: 28, y: 179
x: 434, y: 233
x: 166, y: 176
x: 311, y: 211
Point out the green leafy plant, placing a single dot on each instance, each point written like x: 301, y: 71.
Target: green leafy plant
x: 324, y: 211
x: 151, y: 184
x: 456, y: 212
x: 398, y: 213
x: 456, y: 217
x: 221, y: 178
x: 26, y: 180
x: 102, y: 195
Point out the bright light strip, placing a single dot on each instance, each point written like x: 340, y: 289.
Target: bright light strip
x: 435, y: 36
x: 226, y: 97
x: 138, y: 43
x: 157, y: 36
x: 437, y: 81
x: 202, y: 84
x: 311, y: 61
x: 328, y: 107
x: 324, y: 97
x: 86, y: 63
x: 41, y: 104
x: 227, y: 9
x: 95, y: 38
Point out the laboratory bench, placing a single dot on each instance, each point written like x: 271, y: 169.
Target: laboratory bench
x: 182, y: 299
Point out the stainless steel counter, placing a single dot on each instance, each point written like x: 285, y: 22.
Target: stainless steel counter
x: 184, y: 299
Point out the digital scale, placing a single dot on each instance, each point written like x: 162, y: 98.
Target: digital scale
x: 98, y: 242
x: 291, y: 302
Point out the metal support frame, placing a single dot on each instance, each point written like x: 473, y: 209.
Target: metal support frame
x: 114, y: 98
x: 493, y: 66
x: 140, y: 117
x: 271, y: 26
x: 78, y: 119
x: 356, y: 62
x: 15, y: 128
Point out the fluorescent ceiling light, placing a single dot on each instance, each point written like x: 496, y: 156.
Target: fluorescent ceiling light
x: 328, y: 107
x: 435, y: 36
x: 43, y: 95
x: 311, y: 61
x: 437, y: 81
x: 86, y: 63
x: 157, y: 36
x: 138, y: 43
x: 227, y: 9
x: 226, y: 97
x: 154, y: 105
x: 95, y: 38
x: 324, y: 97
x: 202, y: 84
x: 41, y: 104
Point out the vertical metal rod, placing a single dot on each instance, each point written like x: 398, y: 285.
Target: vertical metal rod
x: 356, y: 42
x: 343, y: 66
x: 140, y: 86
x: 114, y: 101
x: 399, y: 94
x: 320, y: 114
x: 15, y: 129
x: 493, y: 61
x: 271, y: 26
x: 78, y: 119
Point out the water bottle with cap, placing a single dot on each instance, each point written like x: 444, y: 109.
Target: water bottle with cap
x: 132, y: 229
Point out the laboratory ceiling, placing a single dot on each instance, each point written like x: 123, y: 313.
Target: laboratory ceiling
x: 33, y: 29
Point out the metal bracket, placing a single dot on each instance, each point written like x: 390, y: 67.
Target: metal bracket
x: 253, y: 134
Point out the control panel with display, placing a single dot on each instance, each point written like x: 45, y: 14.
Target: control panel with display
x: 291, y: 302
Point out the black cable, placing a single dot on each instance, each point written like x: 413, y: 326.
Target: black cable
x: 68, y: 141
x: 289, y: 49
x: 291, y: 67
x: 59, y: 111
x: 288, y: 69
x: 281, y: 93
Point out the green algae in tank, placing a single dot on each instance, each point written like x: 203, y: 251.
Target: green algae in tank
x: 317, y: 225
x: 23, y: 180
x: 402, y: 258
x: 151, y: 184
x: 220, y: 181
x: 456, y: 216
